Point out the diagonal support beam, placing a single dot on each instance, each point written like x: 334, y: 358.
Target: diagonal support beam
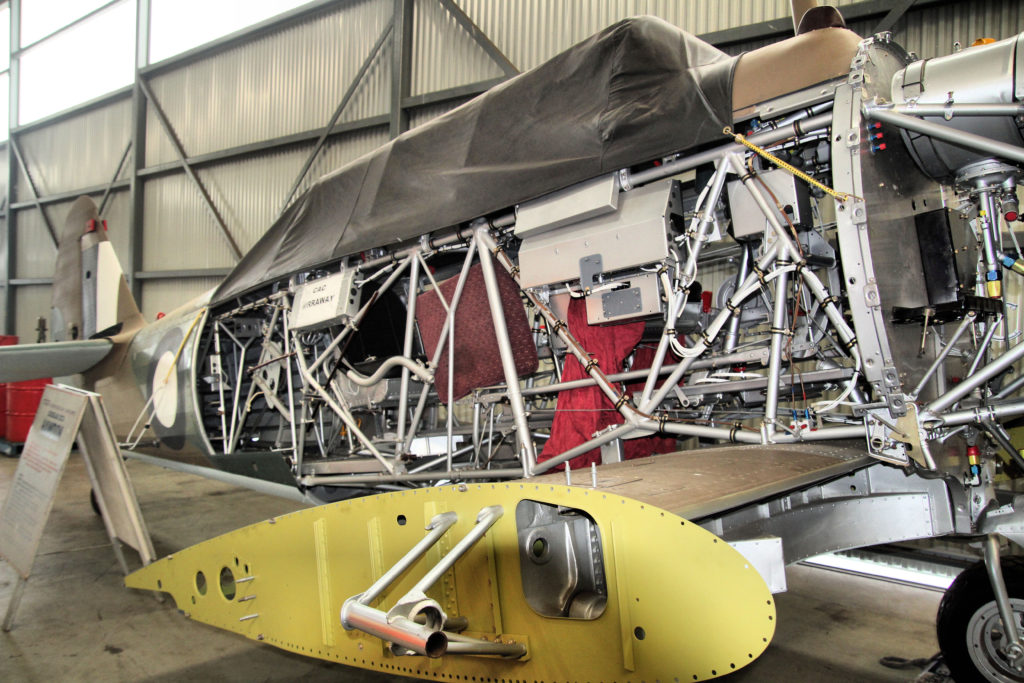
x: 32, y: 188
x: 899, y: 8
x: 113, y: 179
x: 480, y: 37
x: 346, y: 98
x: 183, y: 160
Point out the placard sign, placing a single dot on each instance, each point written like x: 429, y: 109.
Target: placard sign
x: 35, y: 481
x: 67, y: 415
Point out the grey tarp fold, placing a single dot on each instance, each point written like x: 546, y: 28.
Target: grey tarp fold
x: 634, y: 92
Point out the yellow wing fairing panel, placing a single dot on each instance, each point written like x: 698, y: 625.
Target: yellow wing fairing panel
x: 487, y: 582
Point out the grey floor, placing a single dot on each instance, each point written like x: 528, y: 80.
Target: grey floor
x: 78, y: 623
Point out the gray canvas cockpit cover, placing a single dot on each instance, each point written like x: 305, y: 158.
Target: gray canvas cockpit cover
x: 638, y: 90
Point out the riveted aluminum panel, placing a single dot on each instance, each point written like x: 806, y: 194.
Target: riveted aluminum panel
x: 287, y: 81
x: 81, y: 151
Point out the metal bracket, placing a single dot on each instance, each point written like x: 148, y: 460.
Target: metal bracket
x: 591, y: 268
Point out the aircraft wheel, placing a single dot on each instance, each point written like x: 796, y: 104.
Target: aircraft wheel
x: 969, y: 629
x: 92, y: 501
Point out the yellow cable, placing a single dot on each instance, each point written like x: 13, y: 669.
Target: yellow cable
x: 181, y: 346
x: 741, y: 140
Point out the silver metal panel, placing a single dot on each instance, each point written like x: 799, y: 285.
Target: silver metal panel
x: 443, y: 54
x: 765, y: 554
x: 634, y: 235
x: 847, y: 523
x: 81, y: 151
x: 284, y: 82
x: 163, y: 296
x: 573, y: 204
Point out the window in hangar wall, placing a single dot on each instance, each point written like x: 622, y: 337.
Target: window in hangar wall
x: 66, y: 63
x: 82, y: 62
x: 179, y: 25
x: 5, y: 63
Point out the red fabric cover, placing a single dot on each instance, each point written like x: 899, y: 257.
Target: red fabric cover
x: 477, y: 361
x: 581, y: 412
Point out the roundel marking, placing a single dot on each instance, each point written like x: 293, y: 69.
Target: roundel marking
x: 168, y: 420
x: 165, y: 390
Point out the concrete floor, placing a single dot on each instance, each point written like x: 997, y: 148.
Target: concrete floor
x: 78, y: 623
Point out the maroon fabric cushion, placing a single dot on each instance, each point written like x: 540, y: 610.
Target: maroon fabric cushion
x: 477, y: 361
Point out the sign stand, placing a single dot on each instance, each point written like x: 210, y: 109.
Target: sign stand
x: 67, y: 415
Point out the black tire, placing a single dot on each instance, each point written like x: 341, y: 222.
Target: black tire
x: 968, y: 625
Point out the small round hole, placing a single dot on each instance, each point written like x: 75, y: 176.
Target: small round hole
x: 201, y: 583
x: 401, y: 520
x: 539, y: 547
x: 639, y: 633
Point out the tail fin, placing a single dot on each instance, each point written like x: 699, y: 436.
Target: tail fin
x: 90, y: 295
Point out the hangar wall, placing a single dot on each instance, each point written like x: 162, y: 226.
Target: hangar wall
x: 244, y: 114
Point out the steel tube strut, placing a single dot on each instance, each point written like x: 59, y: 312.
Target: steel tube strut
x: 508, y: 363
x: 960, y: 138
x: 972, y: 382
x: 1012, y: 648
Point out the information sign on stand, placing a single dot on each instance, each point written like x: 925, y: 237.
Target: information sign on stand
x: 67, y: 415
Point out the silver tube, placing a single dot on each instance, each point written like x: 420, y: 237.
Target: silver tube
x: 960, y: 138
x: 957, y: 109
x: 717, y: 362
x: 971, y: 382
x: 508, y: 362
x: 972, y: 415
x: 694, y: 160
x: 771, y: 399
x: 484, y: 521
x: 397, y: 630
x: 732, y: 333
x: 1010, y: 388
x: 339, y: 411
x: 460, y: 645
x: 408, y: 366
x: 410, y: 324
x: 968, y: 319
x: 456, y: 296
x: 994, y: 569
x: 707, y: 215
x: 437, y: 527
x: 372, y: 479
x: 297, y: 451
x: 986, y: 343
x: 610, y: 435
x: 719, y: 320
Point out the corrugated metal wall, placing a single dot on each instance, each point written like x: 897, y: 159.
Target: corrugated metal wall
x: 288, y: 81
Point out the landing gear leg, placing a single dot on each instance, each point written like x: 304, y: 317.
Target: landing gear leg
x: 981, y: 618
